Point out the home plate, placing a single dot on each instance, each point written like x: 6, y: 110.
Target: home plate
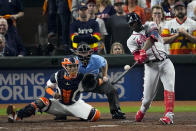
x: 105, y: 126
x: 126, y: 121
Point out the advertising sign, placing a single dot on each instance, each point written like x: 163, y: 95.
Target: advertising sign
x: 24, y: 86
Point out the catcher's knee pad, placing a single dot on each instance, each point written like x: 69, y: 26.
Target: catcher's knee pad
x: 94, y: 115
x: 41, y: 103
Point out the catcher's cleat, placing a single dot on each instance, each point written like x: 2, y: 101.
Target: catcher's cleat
x: 60, y: 118
x: 166, y: 120
x: 11, y: 113
x: 117, y: 114
x: 139, y: 116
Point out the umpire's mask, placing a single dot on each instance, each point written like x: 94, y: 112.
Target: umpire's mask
x: 84, y: 53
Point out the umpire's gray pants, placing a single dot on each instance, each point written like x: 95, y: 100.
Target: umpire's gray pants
x: 111, y: 93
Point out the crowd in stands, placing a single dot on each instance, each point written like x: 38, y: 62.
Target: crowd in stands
x: 102, y: 24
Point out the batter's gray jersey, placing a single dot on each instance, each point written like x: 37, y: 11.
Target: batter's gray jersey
x: 157, y: 67
x: 137, y: 40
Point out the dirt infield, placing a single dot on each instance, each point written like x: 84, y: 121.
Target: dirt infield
x: 184, y: 121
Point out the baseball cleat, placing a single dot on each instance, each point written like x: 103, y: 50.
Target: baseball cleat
x: 117, y: 114
x: 139, y: 116
x: 166, y: 120
x: 11, y: 113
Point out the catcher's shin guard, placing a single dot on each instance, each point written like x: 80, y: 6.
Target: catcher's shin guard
x: 94, y: 115
x: 30, y: 109
x: 169, y: 99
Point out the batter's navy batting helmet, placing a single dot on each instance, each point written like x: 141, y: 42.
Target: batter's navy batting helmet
x: 134, y: 18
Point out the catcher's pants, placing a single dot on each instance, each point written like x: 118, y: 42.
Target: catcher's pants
x: 79, y: 109
x: 111, y: 93
x: 154, y: 72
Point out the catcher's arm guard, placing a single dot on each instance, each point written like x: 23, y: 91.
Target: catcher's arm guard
x: 89, y: 82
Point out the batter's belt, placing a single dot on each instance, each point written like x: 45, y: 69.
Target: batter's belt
x: 156, y: 60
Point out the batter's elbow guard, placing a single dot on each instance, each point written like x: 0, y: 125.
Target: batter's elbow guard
x: 94, y: 115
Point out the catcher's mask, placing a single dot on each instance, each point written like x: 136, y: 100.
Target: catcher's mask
x: 70, y: 64
x: 134, y: 21
x: 84, y: 53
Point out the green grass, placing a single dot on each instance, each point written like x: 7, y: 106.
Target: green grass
x: 152, y: 109
x: 135, y: 109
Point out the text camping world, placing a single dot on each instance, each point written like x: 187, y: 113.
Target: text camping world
x: 29, y: 86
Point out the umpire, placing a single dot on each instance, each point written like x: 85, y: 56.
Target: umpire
x: 97, y: 65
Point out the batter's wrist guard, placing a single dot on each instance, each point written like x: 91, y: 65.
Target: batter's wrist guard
x: 136, y: 55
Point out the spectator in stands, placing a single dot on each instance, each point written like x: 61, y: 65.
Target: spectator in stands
x: 191, y: 10
x: 2, y: 44
x: 168, y: 7
x: 50, y: 8
x: 146, y: 5
x: 74, y: 7
x: 105, y: 9
x: 85, y: 29
x: 62, y: 8
x: 3, y: 26
x: 11, y: 10
x: 156, y: 2
x: 91, y: 14
x: 118, y: 29
x: 159, y: 18
x: 132, y: 6
x: 14, y: 45
x: 186, y: 2
x: 180, y: 32
x: 117, y: 49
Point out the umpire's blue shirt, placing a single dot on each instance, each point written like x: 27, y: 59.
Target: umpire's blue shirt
x: 96, y: 62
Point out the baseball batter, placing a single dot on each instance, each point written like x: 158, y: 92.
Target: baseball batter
x: 67, y: 100
x: 147, y: 47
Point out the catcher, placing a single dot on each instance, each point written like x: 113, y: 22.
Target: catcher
x: 97, y: 66
x: 66, y: 100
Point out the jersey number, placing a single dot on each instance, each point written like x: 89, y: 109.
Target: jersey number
x: 66, y: 96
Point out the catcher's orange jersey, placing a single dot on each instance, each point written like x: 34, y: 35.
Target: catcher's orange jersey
x: 181, y: 45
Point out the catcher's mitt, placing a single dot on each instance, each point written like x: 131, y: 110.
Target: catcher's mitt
x: 89, y: 82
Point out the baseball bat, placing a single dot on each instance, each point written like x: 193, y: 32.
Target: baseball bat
x: 123, y: 74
